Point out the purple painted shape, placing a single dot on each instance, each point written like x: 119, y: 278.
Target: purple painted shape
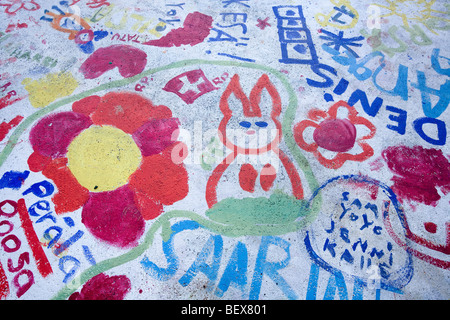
x: 52, y: 135
x: 129, y: 60
x: 337, y: 135
x: 156, y: 135
x: 113, y: 217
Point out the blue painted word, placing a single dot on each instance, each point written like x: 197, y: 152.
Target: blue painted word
x: 42, y: 209
x: 296, y: 43
x: 366, y: 222
x: 231, y: 20
x: 361, y: 72
x: 53, y: 235
x: 398, y: 116
x: 235, y: 273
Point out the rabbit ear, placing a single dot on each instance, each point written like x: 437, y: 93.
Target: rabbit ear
x: 225, y: 101
x: 256, y: 93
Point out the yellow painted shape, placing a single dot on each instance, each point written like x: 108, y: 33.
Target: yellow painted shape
x: 44, y: 91
x: 102, y: 158
x: 325, y: 19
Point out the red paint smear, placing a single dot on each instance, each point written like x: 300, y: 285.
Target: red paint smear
x: 196, y: 28
x: 149, y: 208
x: 6, y: 126
x: 12, y: 27
x: 103, y: 287
x: 42, y: 263
x: 71, y: 195
x: 127, y: 111
x: 267, y: 177
x: 5, y: 101
x: 52, y: 135
x: 4, y: 285
x: 247, y: 177
x: 419, y: 172
x: 156, y: 135
x: 86, y: 105
x: 430, y: 227
x: 129, y: 60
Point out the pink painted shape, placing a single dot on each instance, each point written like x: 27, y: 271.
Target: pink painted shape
x: 156, y: 135
x: 337, y: 135
x: 430, y: 227
x: 52, y: 135
x: 103, y: 287
x: 418, y: 172
x: 113, y: 217
x: 196, y: 28
x: 129, y: 60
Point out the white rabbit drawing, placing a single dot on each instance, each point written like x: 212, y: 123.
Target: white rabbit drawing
x: 249, y: 133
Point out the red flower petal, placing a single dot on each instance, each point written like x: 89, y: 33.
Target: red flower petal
x: 161, y: 179
x: 156, y: 135
x: 149, y: 208
x: 126, y: 111
x: 113, y: 216
x: 103, y: 287
x: 37, y: 162
x: 71, y: 195
x: 52, y: 134
x: 299, y: 128
x: 86, y: 105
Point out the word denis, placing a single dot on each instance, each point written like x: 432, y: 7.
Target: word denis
x: 423, y: 126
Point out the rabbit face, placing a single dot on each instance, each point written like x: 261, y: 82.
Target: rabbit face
x: 250, y: 126
x: 251, y: 133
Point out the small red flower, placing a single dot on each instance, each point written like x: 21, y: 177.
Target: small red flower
x: 335, y: 135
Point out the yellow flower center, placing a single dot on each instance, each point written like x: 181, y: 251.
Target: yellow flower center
x: 103, y: 158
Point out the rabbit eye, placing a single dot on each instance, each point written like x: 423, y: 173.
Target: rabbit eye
x: 261, y: 124
x: 245, y: 124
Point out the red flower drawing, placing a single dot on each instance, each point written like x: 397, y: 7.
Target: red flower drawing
x: 116, y: 157
x: 335, y: 135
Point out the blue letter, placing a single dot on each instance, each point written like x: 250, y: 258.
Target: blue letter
x: 270, y: 268
x: 236, y: 270
x: 441, y: 130
x: 372, y: 109
x: 164, y: 274
x: 36, y: 189
x: 443, y: 93
x: 200, y: 264
x: 72, y: 271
